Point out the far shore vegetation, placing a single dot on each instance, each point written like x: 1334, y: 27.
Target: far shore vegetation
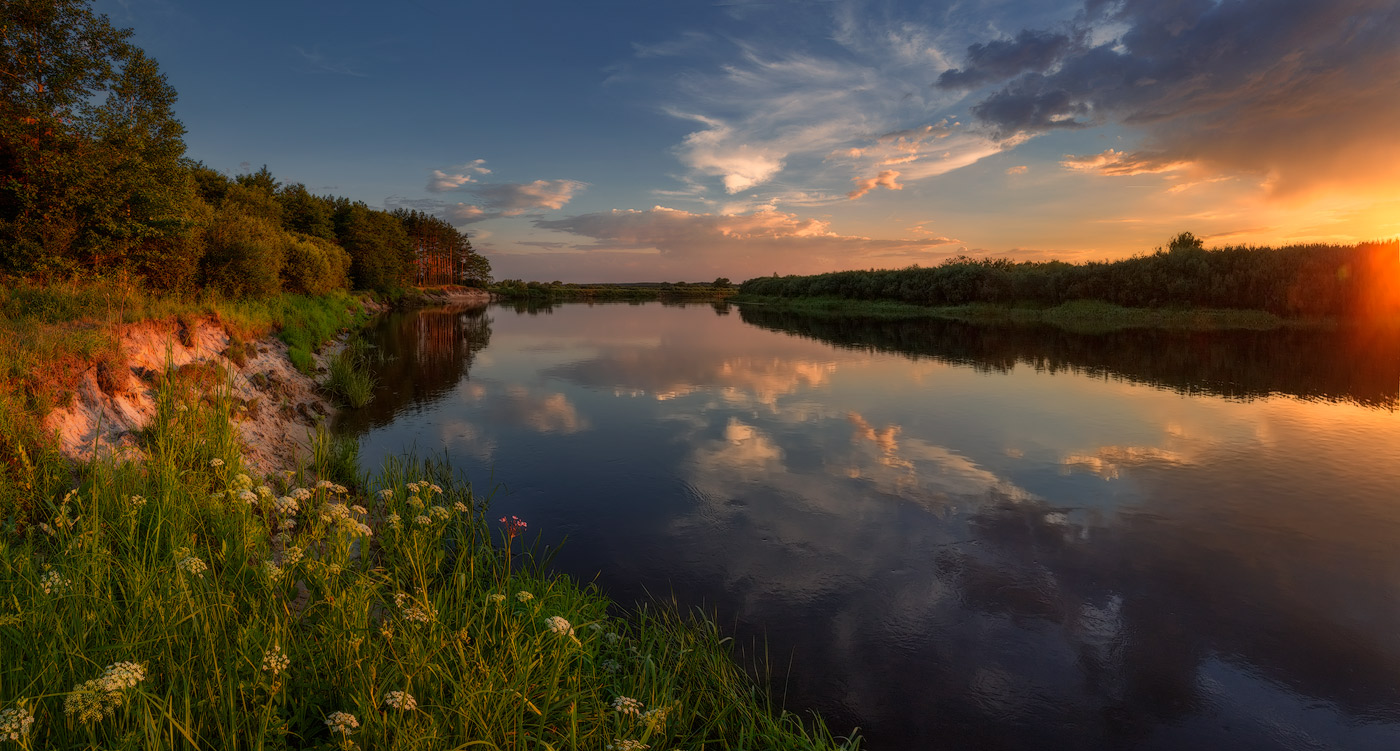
x: 1182, y: 286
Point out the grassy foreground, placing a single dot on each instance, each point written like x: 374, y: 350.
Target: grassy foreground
x: 179, y: 603
x: 1079, y: 316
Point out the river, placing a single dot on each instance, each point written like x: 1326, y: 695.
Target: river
x: 954, y: 536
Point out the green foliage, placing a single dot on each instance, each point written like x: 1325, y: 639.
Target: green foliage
x: 350, y: 378
x: 90, y: 150
x: 1300, y: 280
x: 381, y: 255
x: 93, y: 181
x: 314, y: 266
x: 246, y: 249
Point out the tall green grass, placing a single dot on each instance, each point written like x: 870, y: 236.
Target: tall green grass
x: 181, y: 603
x: 350, y: 378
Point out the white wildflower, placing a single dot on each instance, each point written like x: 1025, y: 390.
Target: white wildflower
x: 395, y: 521
x: 412, y: 611
x: 612, y: 666
x: 422, y: 519
x: 342, y: 722
x: 386, y: 493
x: 524, y: 596
x: 265, y: 492
x: 558, y: 625
x: 216, y: 463
x: 496, y: 597
x: 440, y: 512
x: 272, y: 571
x: 627, y: 706
x: 300, y: 494
x: 461, y: 507
x: 275, y: 661
x: 287, y: 505
x: 192, y: 564
x: 15, y: 724
x: 53, y: 582
x: 136, y: 502
x: 241, y: 482
x: 99, y: 698
x: 290, y: 556
x: 361, y: 510
x: 401, y: 700
x: 247, y: 496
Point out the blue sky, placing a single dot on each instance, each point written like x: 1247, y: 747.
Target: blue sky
x: 629, y: 141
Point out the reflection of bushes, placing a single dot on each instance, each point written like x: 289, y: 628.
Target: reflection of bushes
x: 424, y: 353
x: 1349, y: 364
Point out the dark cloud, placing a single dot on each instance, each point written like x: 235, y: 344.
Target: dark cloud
x: 1301, y: 92
x: 995, y: 61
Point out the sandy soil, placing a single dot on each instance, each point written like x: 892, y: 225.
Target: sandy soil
x: 283, y: 404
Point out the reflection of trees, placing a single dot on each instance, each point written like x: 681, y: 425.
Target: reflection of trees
x: 1345, y: 364
x: 425, y: 354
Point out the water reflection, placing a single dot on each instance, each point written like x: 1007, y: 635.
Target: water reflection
x: 958, y: 553
x: 1354, y: 364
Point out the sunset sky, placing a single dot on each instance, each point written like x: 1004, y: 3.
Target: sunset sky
x: 651, y: 140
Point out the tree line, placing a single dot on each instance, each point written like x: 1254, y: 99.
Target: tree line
x: 1298, y: 280
x: 94, y: 181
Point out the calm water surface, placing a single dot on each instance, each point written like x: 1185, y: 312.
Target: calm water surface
x: 959, y: 537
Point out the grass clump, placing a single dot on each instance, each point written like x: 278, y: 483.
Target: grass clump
x: 350, y: 378
x: 181, y: 603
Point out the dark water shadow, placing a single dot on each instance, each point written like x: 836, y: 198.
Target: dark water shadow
x: 424, y: 355
x: 1347, y: 364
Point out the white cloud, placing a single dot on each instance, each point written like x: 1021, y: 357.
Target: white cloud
x: 441, y: 182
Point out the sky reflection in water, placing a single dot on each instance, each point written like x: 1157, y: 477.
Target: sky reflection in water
x: 954, y: 552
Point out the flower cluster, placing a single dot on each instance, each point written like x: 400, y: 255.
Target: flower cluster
x: 627, y: 706
x: 272, y: 571
x: 496, y: 597
x: 216, y: 462
x: 190, y: 564
x: 275, y: 661
x: 339, y: 515
x: 53, y: 582
x: 100, y: 697
x: 15, y: 723
x: 412, y: 611
x: 400, y: 700
x: 342, y: 722
x: 559, y: 625
x: 514, y: 526
x: 524, y: 596
x: 333, y: 487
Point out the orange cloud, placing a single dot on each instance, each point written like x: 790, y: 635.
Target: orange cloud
x: 885, y: 179
x: 1112, y: 162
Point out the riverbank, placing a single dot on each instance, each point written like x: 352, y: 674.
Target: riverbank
x: 1080, y: 316
x: 189, y: 582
